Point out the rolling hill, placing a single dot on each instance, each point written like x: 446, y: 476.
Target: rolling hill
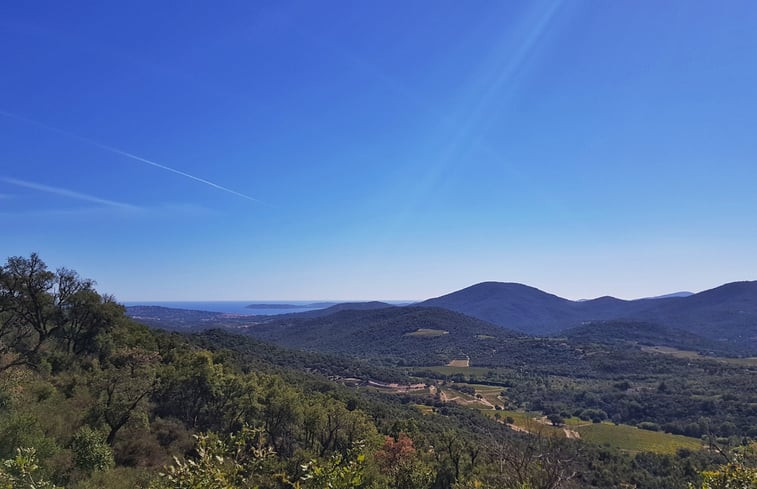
x: 648, y: 334
x: 426, y: 335
x: 327, y: 311
x: 726, y: 314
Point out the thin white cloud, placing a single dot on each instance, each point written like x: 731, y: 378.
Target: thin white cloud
x: 62, y: 213
x: 164, y: 211
x: 62, y: 192
x: 132, y: 156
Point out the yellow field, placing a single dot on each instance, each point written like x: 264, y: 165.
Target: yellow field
x: 634, y: 439
x: 622, y: 437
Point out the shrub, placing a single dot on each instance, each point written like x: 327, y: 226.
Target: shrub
x: 91, y: 452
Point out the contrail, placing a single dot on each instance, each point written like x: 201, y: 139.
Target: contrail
x: 67, y: 193
x: 120, y: 152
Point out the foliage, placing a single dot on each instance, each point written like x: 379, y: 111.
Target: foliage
x: 90, y: 450
x: 338, y: 472
x: 37, y: 305
x: 731, y: 476
x: 231, y: 463
x: 399, y: 459
x: 21, y: 472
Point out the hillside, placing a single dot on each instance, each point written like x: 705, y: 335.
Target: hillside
x: 527, y: 309
x: 428, y: 335
x: 509, y: 305
x: 327, y: 311
x: 725, y: 314
x: 649, y: 334
x: 174, y: 319
x: 192, y: 320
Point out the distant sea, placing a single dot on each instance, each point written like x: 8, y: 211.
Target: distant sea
x: 235, y: 307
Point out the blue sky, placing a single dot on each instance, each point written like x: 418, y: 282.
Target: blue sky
x: 380, y: 150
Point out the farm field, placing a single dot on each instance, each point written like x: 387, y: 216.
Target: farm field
x: 633, y: 439
x: 622, y: 437
x: 692, y: 355
x: 453, y: 370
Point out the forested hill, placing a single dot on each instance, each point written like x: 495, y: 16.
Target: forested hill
x: 726, y: 313
x: 511, y: 305
x: 327, y: 311
x: 649, y: 334
x: 192, y: 320
x: 422, y: 335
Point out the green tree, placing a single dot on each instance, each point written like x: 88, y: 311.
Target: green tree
x: 26, y: 309
x: 37, y: 305
x: 338, y: 472
x: 124, y: 383
x: 91, y: 451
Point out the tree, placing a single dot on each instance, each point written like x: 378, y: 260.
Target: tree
x: 555, y: 419
x: 399, y: 460
x: 26, y: 309
x: 281, y: 410
x: 37, y: 305
x: 90, y: 450
x: 125, y: 383
x: 83, y: 315
x: 540, y: 461
x: 338, y: 472
x: 188, y: 386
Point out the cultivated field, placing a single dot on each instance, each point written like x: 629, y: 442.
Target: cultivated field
x: 692, y: 355
x: 624, y: 437
x: 635, y: 439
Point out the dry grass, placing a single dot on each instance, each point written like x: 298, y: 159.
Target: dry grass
x: 427, y: 333
x: 460, y: 363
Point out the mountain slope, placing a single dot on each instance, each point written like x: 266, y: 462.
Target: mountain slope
x: 419, y: 335
x: 510, y: 305
x: 726, y: 313
x: 345, y: 306
x: 194, y: 320
x: 649, y: 334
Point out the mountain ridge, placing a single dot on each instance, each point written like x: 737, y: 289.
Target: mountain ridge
x: 724, y: 313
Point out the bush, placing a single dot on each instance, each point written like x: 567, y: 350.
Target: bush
x: 91, y: 452
x: 20, y: 472
x: 647, y: 425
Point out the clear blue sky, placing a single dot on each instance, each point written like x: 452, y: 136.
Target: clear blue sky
x: 394, y: 150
